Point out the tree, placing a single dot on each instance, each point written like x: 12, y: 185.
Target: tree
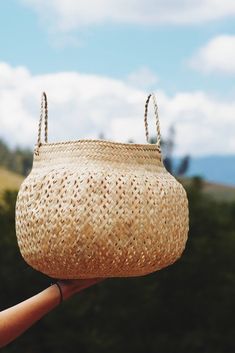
x: 17, y: 160
x: 168, y: 146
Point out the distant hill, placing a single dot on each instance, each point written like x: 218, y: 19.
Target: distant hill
x: 220, y: 192
x: 9, y: 180
x: 214, y: 168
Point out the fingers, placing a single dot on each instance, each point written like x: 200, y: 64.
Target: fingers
x: 85, y: 283
x: 79, y: 284
x: 89, y: 282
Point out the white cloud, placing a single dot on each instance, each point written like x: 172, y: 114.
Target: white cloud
x: 143, y: 78
x: 67, y: 15
x: 82, y: 106
x: 218, y: 55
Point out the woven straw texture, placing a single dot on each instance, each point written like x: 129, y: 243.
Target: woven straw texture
x: 96, y: 208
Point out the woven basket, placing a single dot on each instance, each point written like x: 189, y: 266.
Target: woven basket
x: 96, y: 208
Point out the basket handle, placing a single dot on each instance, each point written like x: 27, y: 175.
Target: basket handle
x: 43, y: 115
x: 158, y: 143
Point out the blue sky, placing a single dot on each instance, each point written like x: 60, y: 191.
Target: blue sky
x: 116, y: 49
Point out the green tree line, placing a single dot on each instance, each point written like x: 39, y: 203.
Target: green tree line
x: 186, y: 307
x: 18, y: 160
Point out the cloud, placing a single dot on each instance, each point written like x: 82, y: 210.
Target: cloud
x: 69, y: 15
x: 83, y: 106
x: 143, y: 78
x: 218, y: 55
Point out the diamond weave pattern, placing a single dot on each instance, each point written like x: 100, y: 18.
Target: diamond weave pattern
x: 94, y: 208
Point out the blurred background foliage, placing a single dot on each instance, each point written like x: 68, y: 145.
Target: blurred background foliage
x: 187, y: 307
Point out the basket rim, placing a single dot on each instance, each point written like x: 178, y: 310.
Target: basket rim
x: 150, y: 146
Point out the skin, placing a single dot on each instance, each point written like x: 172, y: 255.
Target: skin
x: 17, y: 319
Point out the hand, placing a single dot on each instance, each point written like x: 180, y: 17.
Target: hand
x: 71, y: 286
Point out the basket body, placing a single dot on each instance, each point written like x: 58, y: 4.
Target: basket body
x: 95, y: 208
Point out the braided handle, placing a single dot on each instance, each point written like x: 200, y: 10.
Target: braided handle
x: 43, y: 115
x: 158, y: 143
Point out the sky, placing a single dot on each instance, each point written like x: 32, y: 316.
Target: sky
x: 98, y: 60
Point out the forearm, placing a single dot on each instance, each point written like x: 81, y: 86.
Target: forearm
x: 17, y: 319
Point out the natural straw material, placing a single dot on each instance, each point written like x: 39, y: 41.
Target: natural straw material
x: 96, y: 208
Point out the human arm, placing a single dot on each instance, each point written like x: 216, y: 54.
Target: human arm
x: 18, y: 318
